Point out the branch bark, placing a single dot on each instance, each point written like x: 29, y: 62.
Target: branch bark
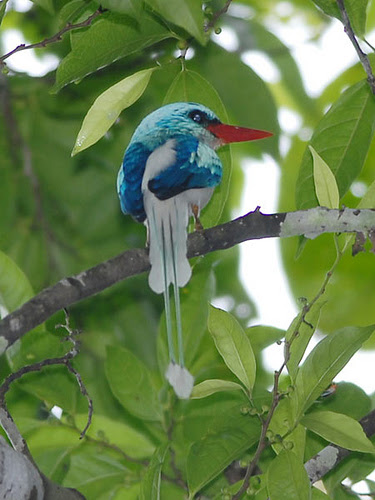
x: 255, y: 225
x: 362, y: 56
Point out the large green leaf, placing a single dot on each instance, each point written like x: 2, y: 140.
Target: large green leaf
x: 211, y: 386
x: 150, y: 486
x: 15, y: 288
x: 131, y: 383
x: 95, y: 471
x: 342, y: 139
x: 287, y: 478
x: 262, y: 336
x: 190, y: 86
x: 339, y: 429
x: 357, y: 11
x: 187, y: 14
x: 330, y: 7
x: 326, y: 189
x: 125, y: 437
x: 210, y: 455
x: 107, y: 107
x: 113, y: 36
x: 340, y: 402
x: 131, y: 7
x: 233, y: 345
x: 324, y: 362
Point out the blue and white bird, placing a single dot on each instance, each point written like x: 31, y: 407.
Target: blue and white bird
x: 169, y: 172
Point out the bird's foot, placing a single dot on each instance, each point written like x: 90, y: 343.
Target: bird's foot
x: 198, y: 224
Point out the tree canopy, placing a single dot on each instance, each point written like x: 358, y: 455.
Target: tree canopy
x: 84, y: 403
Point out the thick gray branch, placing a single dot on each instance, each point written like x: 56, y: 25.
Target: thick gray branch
x: 21, y: 480
x: 254, y: 225
x: 18, y: 476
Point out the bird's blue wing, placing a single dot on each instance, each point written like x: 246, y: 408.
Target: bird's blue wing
x: 196, y: 166
x: 129, y: 180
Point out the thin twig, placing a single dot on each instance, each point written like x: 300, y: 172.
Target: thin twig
x: 55, y: 38
x: 216, y: 15
x: 72, y: 334
x: 263, y: 442
x: 276, y: 396
x: 62, y: 360
x: 362, y: 56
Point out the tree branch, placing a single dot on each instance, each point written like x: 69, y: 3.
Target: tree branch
x: 53, y: 39
x: 362, y: 56
x: 254, y: 225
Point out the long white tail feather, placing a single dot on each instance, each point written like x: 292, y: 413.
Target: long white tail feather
x: 167, y: 218
x: 180, y: 379
x: 167, y: 222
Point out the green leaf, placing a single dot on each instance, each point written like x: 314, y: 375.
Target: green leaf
x: 329, y: 7
x: 95, y: 471
x: 317, y: 494
x: 208, y: 387
x: 357, y: 12
x: 305, y: 332
x: 325, y: 183
x: 46, y: 4
x: 342, y: 139
x: 339, y: 429
x: 210, y: 455
x: 131, y: 383
x: 2, y: 10
x: 150, y: 486
x: 130, y: 7
x: 341, y: 402
x: 262, y: 336
x: 233, y: 345
x: 107, y: 107
x: 128, y: 439
x: 190, y: 86
x: 35, y: 348
x: 324, y: 362
x: 111, y: 37
x: 187, y: 14
x: 287, y: 478
x: 15, y: 288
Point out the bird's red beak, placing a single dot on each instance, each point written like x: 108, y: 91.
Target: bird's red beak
x: 230, y: 133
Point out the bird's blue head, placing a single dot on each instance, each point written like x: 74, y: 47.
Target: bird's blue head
x: 178, y: 117
x: 191, y: 118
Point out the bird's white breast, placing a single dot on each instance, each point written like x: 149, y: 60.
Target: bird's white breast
x: 160, y: 159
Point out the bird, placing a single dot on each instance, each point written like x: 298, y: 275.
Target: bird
x: 168, y: 174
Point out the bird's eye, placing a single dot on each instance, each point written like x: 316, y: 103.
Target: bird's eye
x: 197, y: 116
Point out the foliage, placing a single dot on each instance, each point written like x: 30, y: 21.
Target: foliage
x: 60, y: 215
